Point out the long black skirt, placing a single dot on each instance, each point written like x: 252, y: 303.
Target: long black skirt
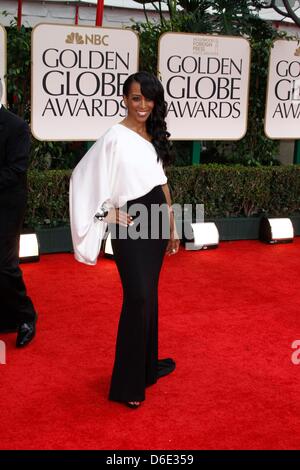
x: 139, y: 262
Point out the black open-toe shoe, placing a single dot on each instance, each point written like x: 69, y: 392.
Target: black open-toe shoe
x: 132, y: 405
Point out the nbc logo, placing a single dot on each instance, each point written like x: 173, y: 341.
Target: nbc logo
x: 96, y: 39
x: 297, y: 51
x: 74, y: 38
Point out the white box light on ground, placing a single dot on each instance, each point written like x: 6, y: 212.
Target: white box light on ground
x: 206, y: 235
x: 29, y: 248
x: 108, y: 251
x: 276, y: 230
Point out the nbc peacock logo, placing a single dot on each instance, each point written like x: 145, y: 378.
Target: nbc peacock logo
x: 74, y: 38
x: 297, y: 52
x: 95, y: 39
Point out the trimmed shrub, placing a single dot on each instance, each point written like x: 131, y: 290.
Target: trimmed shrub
x: 225, y: 191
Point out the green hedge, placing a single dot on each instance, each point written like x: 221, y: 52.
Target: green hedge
x: 226, y: 191
x: 48, y: 198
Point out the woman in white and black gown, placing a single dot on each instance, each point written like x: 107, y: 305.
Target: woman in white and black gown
x: 125, y: 168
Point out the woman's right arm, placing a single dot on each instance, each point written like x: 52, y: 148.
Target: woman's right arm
x: 116, y: 216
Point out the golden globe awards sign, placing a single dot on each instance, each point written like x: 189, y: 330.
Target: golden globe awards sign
x: 77, y: 79
x: 3, y: 61
x: 206, y: 81
x: 283, y: 95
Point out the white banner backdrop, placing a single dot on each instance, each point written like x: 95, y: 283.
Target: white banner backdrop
x: 283, y: 95
x: 206, y: 81
x: 3, y: 62
x: 77, y: 79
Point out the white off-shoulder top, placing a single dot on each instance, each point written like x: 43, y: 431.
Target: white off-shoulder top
x: 120, y: 166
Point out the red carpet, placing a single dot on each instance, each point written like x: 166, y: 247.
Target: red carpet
x: 228, y: 317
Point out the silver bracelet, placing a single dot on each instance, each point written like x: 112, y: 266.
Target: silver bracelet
x: 103, y: 211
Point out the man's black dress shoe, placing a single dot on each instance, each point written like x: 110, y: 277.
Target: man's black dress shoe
x: 26, y: 333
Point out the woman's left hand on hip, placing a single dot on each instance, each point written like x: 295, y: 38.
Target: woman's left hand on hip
x: 173, y: 246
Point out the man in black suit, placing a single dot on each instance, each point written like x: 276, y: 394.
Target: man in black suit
x: 16, y: 308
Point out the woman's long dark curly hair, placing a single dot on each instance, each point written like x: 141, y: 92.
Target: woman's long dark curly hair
x: 156, y: 125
